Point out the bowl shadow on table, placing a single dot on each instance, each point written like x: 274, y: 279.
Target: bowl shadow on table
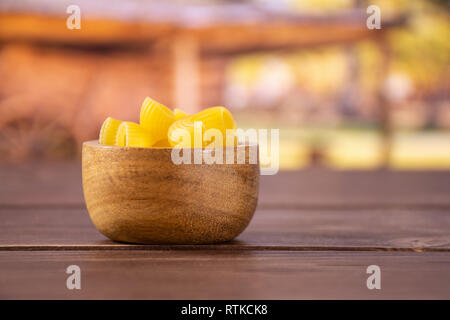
x: 118, y: 245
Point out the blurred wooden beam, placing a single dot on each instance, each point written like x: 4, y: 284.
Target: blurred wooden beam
x: 221, y: 36
x: 51, y: 29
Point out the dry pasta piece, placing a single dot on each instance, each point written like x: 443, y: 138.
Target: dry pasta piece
x: 182, y: 134
x: 156, y: 118
x: 217, y: 118
x: 232, y: 139
x: 211, y: 138
x: 179, y: 114
x: 131, y: 134
x: 164, y: 143
x: 108, y: 132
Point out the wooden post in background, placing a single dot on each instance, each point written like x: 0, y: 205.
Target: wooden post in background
x: 186, y: 70
x: 384, y: 108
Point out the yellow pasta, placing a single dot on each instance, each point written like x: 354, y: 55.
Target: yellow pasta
x: 164, y: 143
x: 156, y: 118
x: 130, y: 134
x: 182, y: 133
x: 108, y: 132
x: 215, y: 118
x: 159, y: 127
x: 231, y: 140
x: 179, y: 114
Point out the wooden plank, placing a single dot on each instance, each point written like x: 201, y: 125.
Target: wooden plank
x: 59, y: 184
x: 35, y: 184
x: 416, y: 230
x: 356, y: 189
x: 224, y: 275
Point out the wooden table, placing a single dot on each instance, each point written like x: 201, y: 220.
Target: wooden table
x: 313, y: 235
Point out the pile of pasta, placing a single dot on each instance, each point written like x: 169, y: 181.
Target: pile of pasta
x: 160, y: 127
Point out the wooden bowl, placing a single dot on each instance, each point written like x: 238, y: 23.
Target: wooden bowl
x: 139, y: 195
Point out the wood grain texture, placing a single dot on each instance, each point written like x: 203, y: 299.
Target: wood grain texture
x: 41, y: 185
x: 321, y: 188
x: 312, y: 237
x: 48, y: 185
x: 224, y: 275
x: 369, y: 229
x: 139, y: 195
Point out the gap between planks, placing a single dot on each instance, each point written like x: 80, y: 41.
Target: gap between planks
x: 212, y: 247
x: 266, y: 206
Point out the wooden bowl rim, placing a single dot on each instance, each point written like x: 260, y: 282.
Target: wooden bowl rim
x: 96, y: 144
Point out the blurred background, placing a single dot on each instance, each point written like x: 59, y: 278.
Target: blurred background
x: 343, y: 96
